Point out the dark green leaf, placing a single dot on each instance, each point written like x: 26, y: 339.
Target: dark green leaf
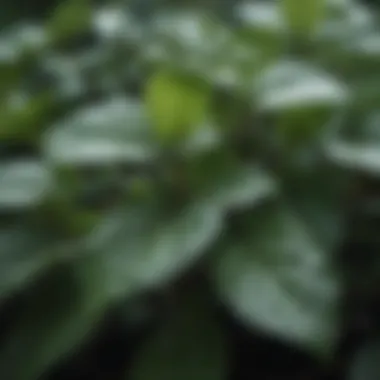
x: 24, y: 253
x: 239, y: 187
x: 279, y: 279
x: 144, y: 247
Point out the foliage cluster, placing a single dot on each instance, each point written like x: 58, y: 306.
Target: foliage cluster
x: 220, y: 155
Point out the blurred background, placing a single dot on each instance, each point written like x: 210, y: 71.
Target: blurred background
x: 121, y: 221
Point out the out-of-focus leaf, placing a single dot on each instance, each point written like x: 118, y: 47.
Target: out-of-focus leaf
x: 357, y: 147
x: 116, y: 23
x: 60, y: 312
x: 279, y: 279
x: 346, y: 21
x: 191, y: 33
x: 191, y: 42
x: 23, y: 184
x: 176, y: 104
x: 262, y: 15
x: 356, y: 156
x: 319, y: 195
x: 190, y: 346
x: 116, y: 131
x: 24, y: 118
x: 24, y: 253
x: 366, y: 362
x: 204, y: 139
x: 303, y: 17
x: 293, y: 85
x: 70, y: 18
x: 239, y: 187
x: 367, y: 46
x: 263, y: 28
x: 144, y: 247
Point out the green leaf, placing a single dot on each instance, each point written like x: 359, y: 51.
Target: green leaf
x: 113, y: 22
x: 189, y: 346
x: 176, y: 104
x: 24, y: 254
x: 320, y: 200
x: 292, y: 85
x: 188, y: 40
x: 278, y: 279
x: 303, y: 16
x: 70, y: 18
x: 262, y: 16
x: 143, y: 246
x: 61, y: 310
x: 24, y: 117
x: 116, y: 131
x: 24, y: 184
x: 364, y: 157
x: 238, y: 187
x: 204, y: 139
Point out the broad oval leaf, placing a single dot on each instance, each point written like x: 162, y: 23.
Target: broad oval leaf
x: 190, y: 346
x: 356, y: 156
x: 143, y: 247
x: 291, y: 85
x: 279, y: 280
x: 23, y: 184
x: 116, y: 131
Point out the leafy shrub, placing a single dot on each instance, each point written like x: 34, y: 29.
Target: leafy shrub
x: 206, y: 156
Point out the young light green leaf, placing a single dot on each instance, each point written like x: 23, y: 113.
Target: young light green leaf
x: 60, y: 312
x: 143, y: 247
x: 303, y: 16
x: 176, y: 105
x: 191, y: 346
x: 69, y: 19
x: 23, y: 184
x: 115, y: 131
x: 278, y: 279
